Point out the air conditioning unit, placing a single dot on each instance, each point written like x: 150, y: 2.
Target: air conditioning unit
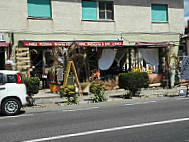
x: 2, y: 37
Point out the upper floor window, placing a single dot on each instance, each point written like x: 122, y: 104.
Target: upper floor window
x: 39, y: 8
x: 159, y: 13
x: 95, y: 10
x: 105, y: 10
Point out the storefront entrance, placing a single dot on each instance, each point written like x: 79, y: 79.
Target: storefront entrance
x: 2, y: 60
x: 41, y: 58
x: 36, y: 62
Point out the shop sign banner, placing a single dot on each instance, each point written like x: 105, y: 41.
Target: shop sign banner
x: 94, y: 43
x: 185, y: 68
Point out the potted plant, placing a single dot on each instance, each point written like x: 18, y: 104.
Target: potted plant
x: 32, y: 86
x: 69, y: 92
x: 52, y: 76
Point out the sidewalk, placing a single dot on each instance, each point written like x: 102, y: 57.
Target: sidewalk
x: 46, y: 98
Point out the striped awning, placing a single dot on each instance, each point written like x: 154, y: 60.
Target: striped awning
x: 4, y: 44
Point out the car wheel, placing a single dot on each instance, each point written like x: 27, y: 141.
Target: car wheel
x: 11, y: 106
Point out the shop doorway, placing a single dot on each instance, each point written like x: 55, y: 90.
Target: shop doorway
x: 42, y: 60
x: 2, y: 60
x: 36, y: 62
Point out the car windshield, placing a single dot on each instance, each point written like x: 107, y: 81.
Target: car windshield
x: 12, y: 79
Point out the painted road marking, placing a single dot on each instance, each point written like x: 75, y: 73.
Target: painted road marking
x: 108, y: 130
x: 71, y: 110
x: 140, y: 103
x: 8, y: 117
x: 186, y: 98
x: 129, y: 104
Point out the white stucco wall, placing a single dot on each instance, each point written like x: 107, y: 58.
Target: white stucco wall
x: 130, y: 16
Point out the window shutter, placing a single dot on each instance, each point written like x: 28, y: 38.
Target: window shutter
x: 89, y: 10
x: 159, y: 13
x: 39, y: 8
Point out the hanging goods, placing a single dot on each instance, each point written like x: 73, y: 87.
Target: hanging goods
x: 106, y: 59
x: 119, y: 55
x: 151, y: 56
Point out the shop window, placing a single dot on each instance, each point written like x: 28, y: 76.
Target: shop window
x: 159, y: 13
x: 95, y: 10
x: 39, y: 8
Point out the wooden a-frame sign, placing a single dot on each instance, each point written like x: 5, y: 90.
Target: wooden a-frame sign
x: 70, y: 64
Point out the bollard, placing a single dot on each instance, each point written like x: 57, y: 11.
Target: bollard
x: 187, y: 92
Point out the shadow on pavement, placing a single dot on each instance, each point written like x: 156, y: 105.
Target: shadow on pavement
x: 21, y: 112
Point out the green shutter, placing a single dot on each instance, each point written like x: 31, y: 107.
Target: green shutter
x: 159, y: 13
x: 89, y: 10
x: 39, y: 8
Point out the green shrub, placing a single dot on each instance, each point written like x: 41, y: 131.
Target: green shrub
x: 99, y: 97
x: 32, y: 85
x: 133, y: 81
x: 68, y: 91
x: 127, y: 95
x: 72, y: 100
x: 97, y: 90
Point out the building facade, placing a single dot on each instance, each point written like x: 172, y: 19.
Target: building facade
x: 185, y: 40
x: 146, y: 20
x: 32, y: 22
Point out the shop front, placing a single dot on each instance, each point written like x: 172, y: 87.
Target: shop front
x: 46, y: 57
x: 155, y: 59
x: 98, y: 59
x: 150, y: 57
x: 3, y: 54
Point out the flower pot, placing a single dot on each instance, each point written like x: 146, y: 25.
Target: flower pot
x: 52, y: 88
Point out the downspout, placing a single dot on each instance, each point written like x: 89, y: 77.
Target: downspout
x: 11, y: 42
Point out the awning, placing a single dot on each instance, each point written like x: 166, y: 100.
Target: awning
x: 152, y: 43
x: 4, y: 44
x: 185, y: 36
x: 68, y: 43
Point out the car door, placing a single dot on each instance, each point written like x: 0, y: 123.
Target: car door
x: 3, y: 88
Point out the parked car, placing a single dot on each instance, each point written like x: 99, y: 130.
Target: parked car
x: 12, y: 92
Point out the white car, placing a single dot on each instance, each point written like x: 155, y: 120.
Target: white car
x: 12, y: 92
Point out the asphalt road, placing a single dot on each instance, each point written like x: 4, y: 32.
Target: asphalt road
x: 161, y: 120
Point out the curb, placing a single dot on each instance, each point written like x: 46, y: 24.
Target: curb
x: 114, y: 95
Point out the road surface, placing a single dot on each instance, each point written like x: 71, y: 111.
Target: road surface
x: 146, y: 120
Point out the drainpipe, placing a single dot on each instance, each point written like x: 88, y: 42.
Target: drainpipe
x: 11, y: 42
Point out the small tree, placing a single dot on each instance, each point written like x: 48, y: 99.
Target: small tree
x: 133, y: 81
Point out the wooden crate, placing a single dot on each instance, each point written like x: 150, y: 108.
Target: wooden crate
x: 22, y: 58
